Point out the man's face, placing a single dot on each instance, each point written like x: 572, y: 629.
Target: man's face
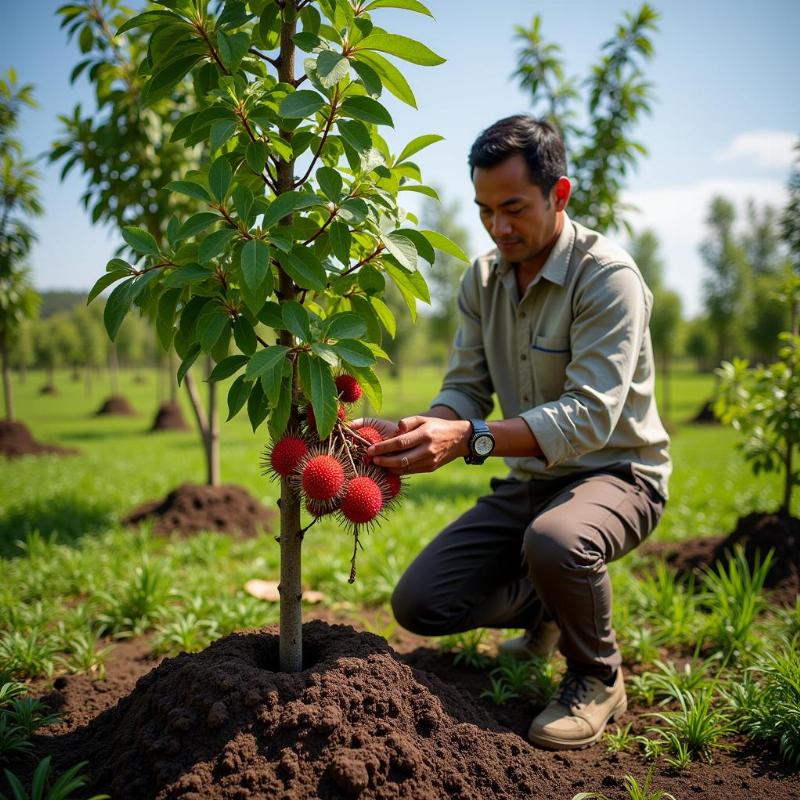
x: 521, y: 220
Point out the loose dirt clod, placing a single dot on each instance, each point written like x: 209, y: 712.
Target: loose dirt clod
x: 116, y: 404
x: 169, y: 417
x: 16, y: 440
x: 356, y: 722
x: 192, y: 508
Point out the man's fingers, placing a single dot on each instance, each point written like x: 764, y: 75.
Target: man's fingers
x: 397, y: 461
x: 402, y: 442
x: 410, y: 423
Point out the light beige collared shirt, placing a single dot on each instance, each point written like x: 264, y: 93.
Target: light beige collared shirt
x: 573, y: 358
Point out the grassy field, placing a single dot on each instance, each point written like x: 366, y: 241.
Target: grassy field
x: 72, y: 577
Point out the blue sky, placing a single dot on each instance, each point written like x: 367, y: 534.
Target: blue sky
x: 726, y: 115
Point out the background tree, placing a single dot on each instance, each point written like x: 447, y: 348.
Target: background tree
x: 790, y: 218
x: 301, y: 205
x: 600, y: 149
x: 19, y: 200
x: 49, y: 352
x: 665, y: 319
x: 93, y: 338
x: 699, y: 343
x: 725, y: 285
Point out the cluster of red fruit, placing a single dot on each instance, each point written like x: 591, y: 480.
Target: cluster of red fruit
x: 335, y: 475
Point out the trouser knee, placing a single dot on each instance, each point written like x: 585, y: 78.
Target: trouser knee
x: 415, y: 613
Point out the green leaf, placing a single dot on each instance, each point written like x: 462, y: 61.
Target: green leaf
x: 402, y: 47
x: 441, y: 242
x: 367, y: 313
x: 285, y: 204
x: 232, y: 48
x: 237, y: 395
x: 330, y: 181
x: 385, y: 315
x: 326, y: 353
x: 220, y: 175
x: 257, y: 296
x: 423, y: 246
x: 331, y: 68
x: 215, y: 243
x: 227, y: 367
x: 189, y: 189
x: 221, y: 132
x: 196, y: 224
x: 183, y: 276
x: 367, y: 110
x: 117, y: 306
x: 255, y: 262
x: 244, y: 336
x: 369, y: 78
x: 169, y: 76
x: 106, y: 280
x: 301, y: 104
x: 304, y: 268
x: 140, y: 240
x: 390, y: 76
x: 408, y: 5
x: 355, y: 353
x: 402, y: 279
x: 165, y: 316
x: 148, y: 17
x: 257, y: 406
x: 426, y: 190
x: 256, y: 156
x: 210, y: 326
x: 315, y: 375
x: 270, y: 315
x: 370, y: 385
x: 281, y: 409
x: 189, y: 359
x: 265, y: 360
x: 415, y: 145
x: 340, y: 240
x: 371, y: 280
x: 344, y: 325
x: 402, y: 249
x: 355, y: 134
x: 296, y: 319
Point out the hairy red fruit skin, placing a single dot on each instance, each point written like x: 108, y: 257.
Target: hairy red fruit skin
x: 323, y: 477
x: 362, y: 500
x: 349, y: 388
x: 372, y: 435
x: 286, y: 455
x: 393, y: 484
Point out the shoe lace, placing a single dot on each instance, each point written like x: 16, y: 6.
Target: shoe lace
x: 571, y: 689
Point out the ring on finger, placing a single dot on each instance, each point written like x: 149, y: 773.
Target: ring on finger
x: 404, y: 462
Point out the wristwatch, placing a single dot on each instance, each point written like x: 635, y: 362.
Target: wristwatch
x: 481, y: 443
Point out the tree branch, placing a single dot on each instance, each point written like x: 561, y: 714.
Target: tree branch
x: 325, y: 133
x: 276, y: 62
x: 378, y: 250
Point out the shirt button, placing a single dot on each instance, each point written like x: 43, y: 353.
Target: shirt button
x: 523, y: 356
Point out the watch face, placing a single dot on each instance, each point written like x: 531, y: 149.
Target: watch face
x: 483, y: 445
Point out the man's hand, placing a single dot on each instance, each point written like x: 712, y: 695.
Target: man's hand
x: 421, y: 444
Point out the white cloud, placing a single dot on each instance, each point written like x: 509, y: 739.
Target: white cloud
x: 677, y: 215
x: 763, y: 148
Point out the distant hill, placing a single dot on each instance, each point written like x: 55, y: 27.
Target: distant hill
x: 55, y: 300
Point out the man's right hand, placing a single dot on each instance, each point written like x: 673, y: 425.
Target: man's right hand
x: 385, y: 427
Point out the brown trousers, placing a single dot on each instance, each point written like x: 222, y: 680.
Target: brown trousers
x: 534, y: 550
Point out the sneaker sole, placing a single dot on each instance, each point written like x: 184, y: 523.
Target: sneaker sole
x: 552, y: 743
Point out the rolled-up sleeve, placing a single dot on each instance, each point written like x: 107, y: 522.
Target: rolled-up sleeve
x: 467, y: 385
x: 611, y: 314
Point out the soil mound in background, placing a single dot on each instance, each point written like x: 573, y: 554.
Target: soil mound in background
x: 116, y: 404
x: 169, y: 417
x: 753, y: 533
x: 192, y: 508
x: 16, y: 440
x: 357, y: 722
x: 49, y: 388
x: 705, y: 416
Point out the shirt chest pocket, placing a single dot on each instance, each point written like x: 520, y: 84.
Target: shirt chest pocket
x: 549, y: 358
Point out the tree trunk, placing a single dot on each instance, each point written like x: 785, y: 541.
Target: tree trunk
x: 7, y: 380
x: 291, y: 539
x: 197, y: 407
x: 173, y: 384
x: 212, y: 434
x: 113, y: 365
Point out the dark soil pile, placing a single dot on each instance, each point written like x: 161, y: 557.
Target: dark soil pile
x: 357, y: 722
x: 706, y: 416
x: 169, y: 417
x: 755, y: 532
x: 116, y: 404
x: 16, y: 440
x: 192, y: 508
x: 49, y: 388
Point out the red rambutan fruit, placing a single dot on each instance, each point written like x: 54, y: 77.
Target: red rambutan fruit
x: 348, y: 387
x: 362, y: 500
x: 372, y: 435
x: 286, y: 454
x: 322, y: 477
x: 320, y: 508
x: 393, y: 484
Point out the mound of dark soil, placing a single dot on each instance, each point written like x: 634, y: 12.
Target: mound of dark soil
x: 16, y: 440
x: 192, y: 508
x: 169, y: 417
x: 116, y: 404
x: 225, y: 723
x: 706, y: 416
x: 755, y: 532
x: 49, y: 388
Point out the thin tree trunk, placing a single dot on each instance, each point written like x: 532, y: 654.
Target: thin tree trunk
x: 291, y: 539
x: 7, y: 380
x: 197, y: 406
x: 173, y: 384
x: 113, y: 365
x: 212, y: 434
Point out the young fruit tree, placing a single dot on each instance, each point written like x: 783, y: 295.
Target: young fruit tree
x: 300, y: 231
x: 763, y: 403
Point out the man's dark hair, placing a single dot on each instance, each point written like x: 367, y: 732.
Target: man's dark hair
x: 537, y: 140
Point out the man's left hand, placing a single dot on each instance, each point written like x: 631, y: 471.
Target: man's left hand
x: 422, y: 444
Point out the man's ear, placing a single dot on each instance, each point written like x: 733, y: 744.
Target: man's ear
x: 561, y: 192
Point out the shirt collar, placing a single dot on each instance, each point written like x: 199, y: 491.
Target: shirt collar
x: 555, y: 268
